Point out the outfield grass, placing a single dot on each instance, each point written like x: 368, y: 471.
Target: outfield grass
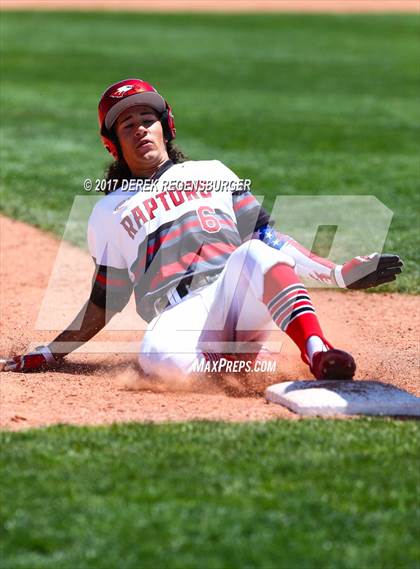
x: 309, y: 494
x: 300, y: 104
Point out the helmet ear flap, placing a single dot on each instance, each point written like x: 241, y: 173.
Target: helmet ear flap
x: 111, y: 143
x: 168, y: 125
x: 111, y: 146
x: 117, y: 146
x: 165, y: 127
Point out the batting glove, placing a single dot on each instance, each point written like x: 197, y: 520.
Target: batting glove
x: 366, y: 272
x: 41, y: 359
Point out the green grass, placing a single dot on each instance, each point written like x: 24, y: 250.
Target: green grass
x: 309, y: 494
x: 300, y: 104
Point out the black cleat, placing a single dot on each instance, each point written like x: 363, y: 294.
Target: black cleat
x: 333, y: 364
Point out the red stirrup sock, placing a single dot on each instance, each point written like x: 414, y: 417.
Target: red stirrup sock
x: 291, y: 308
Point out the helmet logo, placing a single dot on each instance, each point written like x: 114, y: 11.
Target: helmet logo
x: 121, y: 91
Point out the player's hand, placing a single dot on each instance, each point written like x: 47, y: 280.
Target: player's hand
x: 366, y: 272
x: 41, y: 359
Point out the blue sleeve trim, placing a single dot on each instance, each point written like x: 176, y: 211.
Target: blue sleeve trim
x: 268, y: 235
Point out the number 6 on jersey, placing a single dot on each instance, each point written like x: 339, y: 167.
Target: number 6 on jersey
x: 208, y: 219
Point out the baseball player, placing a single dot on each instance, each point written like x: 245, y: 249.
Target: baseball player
x: 209, y: 273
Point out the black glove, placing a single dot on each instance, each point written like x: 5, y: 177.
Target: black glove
x: 370, y: 271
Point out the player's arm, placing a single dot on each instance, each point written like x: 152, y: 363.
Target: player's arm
x: 89, y: 321
x: 254, y: 222
x: 111, y: 291
x: 358, y: 273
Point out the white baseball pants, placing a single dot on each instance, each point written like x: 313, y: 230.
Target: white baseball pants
x: 222, y: 317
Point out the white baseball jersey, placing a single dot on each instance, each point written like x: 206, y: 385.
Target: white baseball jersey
x: 186, y: 220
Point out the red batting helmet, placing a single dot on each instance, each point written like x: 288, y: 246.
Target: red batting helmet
x: 125, y: 94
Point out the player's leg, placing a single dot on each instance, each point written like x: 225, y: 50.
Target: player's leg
x: 170, y: 341
x: 259, y: 286
x: 292, y: 311
x: 176, y: 340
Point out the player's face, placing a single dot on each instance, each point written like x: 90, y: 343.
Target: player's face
x: 141, y: 138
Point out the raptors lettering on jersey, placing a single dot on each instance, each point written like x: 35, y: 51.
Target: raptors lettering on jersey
x: 166, y: 200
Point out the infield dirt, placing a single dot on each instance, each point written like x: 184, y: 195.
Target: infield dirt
x: 381, y: 331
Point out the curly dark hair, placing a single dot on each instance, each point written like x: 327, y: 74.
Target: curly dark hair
x: 118, y: 170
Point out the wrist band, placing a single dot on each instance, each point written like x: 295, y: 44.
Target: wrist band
x: 339, y: 277
x: 47, y: 353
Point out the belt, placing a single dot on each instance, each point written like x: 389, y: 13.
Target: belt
x: 175, y: 294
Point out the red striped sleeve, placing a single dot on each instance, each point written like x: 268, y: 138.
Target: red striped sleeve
x: 241, y: 202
